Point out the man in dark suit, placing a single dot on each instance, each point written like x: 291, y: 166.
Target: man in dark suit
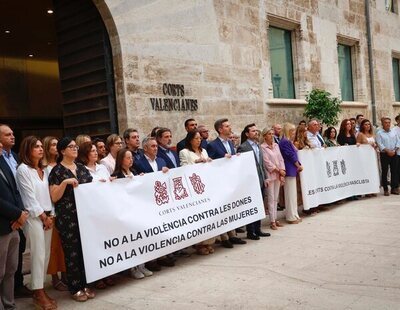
x: 204, y: 133
x: 149, y: 162
x: 12, y: 218
x: 250, y: 138
x: 10, y: 159
x: 132, y: 142
x: 190, y: 124
x: 164, y: 140
x: 219, y: 148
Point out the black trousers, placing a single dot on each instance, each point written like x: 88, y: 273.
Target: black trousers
x: 255, y: 227
x: 68, y: 228
x: 18, y: 277
x: 391, y: 163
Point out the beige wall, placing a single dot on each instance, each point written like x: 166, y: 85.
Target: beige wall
x: 218, y: 49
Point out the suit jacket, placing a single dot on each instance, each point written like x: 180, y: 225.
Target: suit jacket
x: 289, y: 154
x: 180, y: 145
x: 216, y: 149
x: 161, y: 153
x: 246, y: 147
x: 11, y: 204
x: 138, y: 154
x: 142, y: 165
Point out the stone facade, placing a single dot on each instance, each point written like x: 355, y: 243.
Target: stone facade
x: 218, y: 50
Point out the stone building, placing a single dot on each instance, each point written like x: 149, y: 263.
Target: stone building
x: 248, y: 60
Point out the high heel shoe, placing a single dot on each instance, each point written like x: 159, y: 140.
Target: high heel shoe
x: 41, y: 301
x: 79, y: 296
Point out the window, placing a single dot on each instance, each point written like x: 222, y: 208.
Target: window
x: 396, y: 78
x: 345, y: 72
x: 280, y: 50
x: 391, y: 6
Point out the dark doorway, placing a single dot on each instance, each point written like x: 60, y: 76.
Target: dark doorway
x: 86, y: 71
x: 56, y: 73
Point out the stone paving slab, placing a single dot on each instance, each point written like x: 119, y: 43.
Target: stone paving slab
x: 345, y: 258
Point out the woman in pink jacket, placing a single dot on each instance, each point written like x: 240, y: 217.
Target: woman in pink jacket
x: 275, y: 171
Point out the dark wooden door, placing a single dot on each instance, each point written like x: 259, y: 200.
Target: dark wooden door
x: 86, y: 70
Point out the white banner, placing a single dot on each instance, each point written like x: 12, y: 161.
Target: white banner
x: 131, y: 221
x: 335, y: 173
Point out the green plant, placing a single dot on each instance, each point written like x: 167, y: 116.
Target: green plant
x: 322, y: 106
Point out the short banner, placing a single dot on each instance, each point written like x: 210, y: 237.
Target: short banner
x: 336, y: 173
x: 130, y: 221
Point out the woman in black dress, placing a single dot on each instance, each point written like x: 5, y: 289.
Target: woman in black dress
x: 66, y: 175
x: 346, y: 134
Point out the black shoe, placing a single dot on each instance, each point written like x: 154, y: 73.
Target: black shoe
x: 280, y: 208
x: 171, y: 257
x: 153, y: 266
x: 252, y: 236
x: 181, y: 253
x: 166, y: 262
x: 262, y: 234
x: 239, y: 230
x: 22, y: 292
x: 236, y: 240
x: 227, y: 244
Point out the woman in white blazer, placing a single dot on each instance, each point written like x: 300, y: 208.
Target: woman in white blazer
x: 193, y: 153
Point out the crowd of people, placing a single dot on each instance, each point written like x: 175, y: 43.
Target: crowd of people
x: 37, y: 190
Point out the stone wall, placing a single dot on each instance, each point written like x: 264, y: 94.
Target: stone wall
x: 218, y: 49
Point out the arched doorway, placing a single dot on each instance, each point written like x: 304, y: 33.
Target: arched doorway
x: 56, y: 69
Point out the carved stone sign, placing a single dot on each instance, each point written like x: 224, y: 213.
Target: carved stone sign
x: 175, y: 99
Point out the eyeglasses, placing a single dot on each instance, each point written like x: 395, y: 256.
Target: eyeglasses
x: 73, y: 146
x: 118, y: 143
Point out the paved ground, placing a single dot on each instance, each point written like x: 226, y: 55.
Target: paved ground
x: 344, y: 258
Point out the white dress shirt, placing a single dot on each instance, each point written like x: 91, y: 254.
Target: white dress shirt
x: 315, y: 140
x: 152, y: 163
x: 34, y: 191
x: 100, y: 172
x: 109, y: 162
x: 226, y: 145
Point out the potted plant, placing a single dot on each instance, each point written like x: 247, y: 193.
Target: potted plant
x: 322, y: 106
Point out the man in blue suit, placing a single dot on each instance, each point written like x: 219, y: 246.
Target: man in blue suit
x: 219, y: 148
x: 12, y: 218
x: 10, y: 160
x: 149, y: 162
x: 249, y: 139
x: 222, y: 146
x: 164, y: 140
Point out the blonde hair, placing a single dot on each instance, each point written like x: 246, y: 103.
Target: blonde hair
x: 286, y: 128
x: 80, y: 139
x: 264, y: 132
